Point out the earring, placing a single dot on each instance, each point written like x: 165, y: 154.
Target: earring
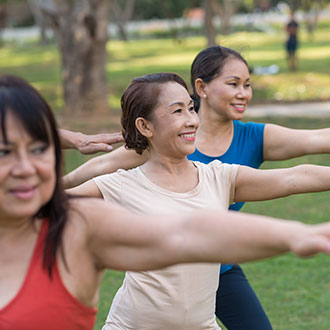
x: 204, y: 95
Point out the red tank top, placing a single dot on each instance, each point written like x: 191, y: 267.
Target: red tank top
x: 43, y: 303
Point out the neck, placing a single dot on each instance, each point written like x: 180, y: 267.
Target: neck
x: 174, y: 174
x: 165, y: 164
x: 214, y: 134
x: 211, y: 122
x: 15, y: 227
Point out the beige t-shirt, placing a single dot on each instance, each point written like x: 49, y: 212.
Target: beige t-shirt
x: 180, y: 297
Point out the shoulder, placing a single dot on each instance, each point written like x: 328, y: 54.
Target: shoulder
x: 249, y: 131
x: 116, y: 179
x: 248, y: 126
x: 217, y: 169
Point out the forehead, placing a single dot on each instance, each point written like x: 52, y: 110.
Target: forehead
x: 235, y: 67
x: 173, y: 92
x: 15, y: 128
x: 12, y: 127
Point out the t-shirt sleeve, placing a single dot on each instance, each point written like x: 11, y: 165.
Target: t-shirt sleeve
x: 110, y: 186
x: 225, y: 175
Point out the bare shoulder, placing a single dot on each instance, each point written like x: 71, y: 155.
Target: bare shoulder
x: 92, y: 221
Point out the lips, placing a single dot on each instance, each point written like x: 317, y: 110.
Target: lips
x: 239, y: 107
x: 188, y: 136
x: 23, y: 193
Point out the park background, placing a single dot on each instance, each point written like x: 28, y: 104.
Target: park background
x: 156, y: 36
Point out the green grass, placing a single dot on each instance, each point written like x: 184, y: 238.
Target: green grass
x: 41, y: 65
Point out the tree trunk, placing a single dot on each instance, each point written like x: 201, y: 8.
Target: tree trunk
x: 40, y: 20
x: 3, y: 20
x: 208, y: 22
x: 80, y: 28
x: 225, y: 10
x: 225, y: 19
x: 121, y: 16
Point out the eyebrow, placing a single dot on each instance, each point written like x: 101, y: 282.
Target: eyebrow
x: 235, y: 77
x: 180, y: 103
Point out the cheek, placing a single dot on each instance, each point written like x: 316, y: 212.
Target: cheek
x: 251, y: 94
x: 47, y: 171
x: 48, y: 186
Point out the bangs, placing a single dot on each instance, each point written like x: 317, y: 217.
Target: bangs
x: 34, y: 122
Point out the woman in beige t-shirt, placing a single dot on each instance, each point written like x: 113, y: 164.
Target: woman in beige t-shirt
x: 158, y: 115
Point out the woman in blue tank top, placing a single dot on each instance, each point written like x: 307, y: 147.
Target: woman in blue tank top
x: 222, y: 92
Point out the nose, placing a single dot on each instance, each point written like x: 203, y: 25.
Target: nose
x: 23, y: 166
x: 192, y: 119
x: 243, y: 93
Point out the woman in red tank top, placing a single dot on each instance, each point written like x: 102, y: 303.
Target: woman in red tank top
x: 54, y: 248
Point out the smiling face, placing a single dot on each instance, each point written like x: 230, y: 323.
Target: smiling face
x: 229, y: 93
x: 27, y: 176
x: 174, y: 122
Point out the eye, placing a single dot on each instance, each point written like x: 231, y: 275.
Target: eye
x: 39, y: 149
x: 4, y: 152
x: 191, y: 108
x: 177, y: 111
x: 247, y: 85
x: 232, y: 84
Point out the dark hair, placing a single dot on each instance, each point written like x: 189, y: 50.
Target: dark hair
x: 139, y: 100
x: 208, y: 65
x: 28, y: 106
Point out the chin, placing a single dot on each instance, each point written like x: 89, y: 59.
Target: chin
x: 238, y: 116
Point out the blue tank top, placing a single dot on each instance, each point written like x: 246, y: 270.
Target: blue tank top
x: 246, y: 148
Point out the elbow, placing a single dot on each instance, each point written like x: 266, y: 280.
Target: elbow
x: 295, y: 180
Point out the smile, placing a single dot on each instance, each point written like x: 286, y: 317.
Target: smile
x: 24, y: 193
x: 188, y: 136
x: 239, y: 107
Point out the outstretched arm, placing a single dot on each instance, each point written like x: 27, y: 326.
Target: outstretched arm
x: 284, y: 143
x: 120, y: 240
x: 109, y: 163
x: 258, y: 185
x: 89, y: 144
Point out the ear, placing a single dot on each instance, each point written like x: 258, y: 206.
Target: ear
x: 200, y: 87
x: 144, y: 127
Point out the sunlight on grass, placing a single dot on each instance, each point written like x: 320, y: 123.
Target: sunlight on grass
x: 272, y: 56
x: 161, y: 61
x: 315, y: 53
x: 12, y: 58
x: 41, y: 65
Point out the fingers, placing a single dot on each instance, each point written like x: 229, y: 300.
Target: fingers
x: 99, y: 142
x: 94, y: 147
x: 108, y: 138
x: 312, y: 245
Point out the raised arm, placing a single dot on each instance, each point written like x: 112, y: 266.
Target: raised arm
x: 258, y: 185
x: 89, y: 144
x: 121, y: 240
x: 284, y: 143
x: 109, y: 163
x: 87, y: 189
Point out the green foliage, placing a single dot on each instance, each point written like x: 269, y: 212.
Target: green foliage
x: 148, y: 9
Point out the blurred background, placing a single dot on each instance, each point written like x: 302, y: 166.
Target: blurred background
x: 82, y: 54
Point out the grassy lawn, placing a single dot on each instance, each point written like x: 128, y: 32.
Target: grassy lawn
x: 295, y: 293
x: 41, y: 65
